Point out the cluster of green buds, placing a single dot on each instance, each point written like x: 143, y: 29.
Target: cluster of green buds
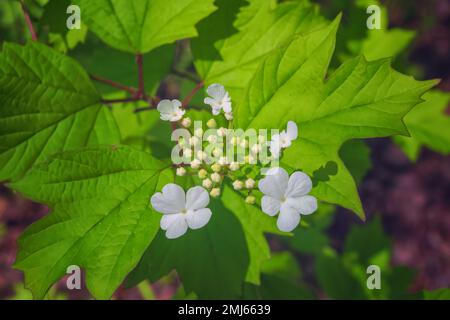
x: 217, y: 153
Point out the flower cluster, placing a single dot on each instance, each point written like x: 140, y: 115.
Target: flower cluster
x: 214, y: 154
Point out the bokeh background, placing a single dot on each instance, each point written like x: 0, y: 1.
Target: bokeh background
x: 407, y: 202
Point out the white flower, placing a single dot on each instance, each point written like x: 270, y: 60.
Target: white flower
x: 207, y: 183
x: 181, y: 210
x: 187, y: 153
x: 284, y: 139
x: 216, y: 167
x: 249, y: 183
x: 170, y: 110
x: 181, y: 171
x: 287, y: 195
x: 217, y: 152
x: 218, y: 99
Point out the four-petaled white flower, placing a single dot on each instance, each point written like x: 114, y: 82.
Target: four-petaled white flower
x: 181, y: 210
x: 284, y: 139
x: 218, y: 99
x: 170, y: 110
x: 287, y: 195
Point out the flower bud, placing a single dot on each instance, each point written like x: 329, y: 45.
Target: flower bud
x: 211, y: 123
x: 207, y: 183
x: 215, y: 177
x: 194, y: 141
x: 250, y: 200
x: 187, y: 153
x: 217, y: 152
x: 222, y: 132
x: 216, y: 167
x: 181, y: 171
x: 234, y: 166
x: 249, y: 183
x: 238, y: 185
x: 202, y: 174
x: 195, y: 164
x: 198, y: 132
x: 222, y: 161
x: 186, y: 122
x: 229, y: 116
x: 215, y: 192
x: 201, y: 155
x: 212, y: 138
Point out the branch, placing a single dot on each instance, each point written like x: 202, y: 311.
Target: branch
x: 28, y: 21
x: 140, y: 63
x: 114, y: 84
x: 189, y: 97
x: 124, y: 100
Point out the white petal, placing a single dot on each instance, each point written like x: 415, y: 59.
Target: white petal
x: 270, y: 206
x: 176, y: 104
x: 197, y: 198
x: 217, y: 91
x: 168, y: 219
x: 210, y: 101
x: 275, y: 183
x: 292, y: 130
x: 288, y: 219
x: 305, y: 204
x: 215, y: 110
x: 299, y: 185
x: 165, y: 106
x: 227, y: 107
x: 177, y: 228
x: 171, y: 200
x: 198, y: 218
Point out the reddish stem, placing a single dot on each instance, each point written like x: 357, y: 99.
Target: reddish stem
x: 28, y: 21
x: 124, y: 100
x: 140, y: 63
x: 115, y: 84
x: 191, y: 94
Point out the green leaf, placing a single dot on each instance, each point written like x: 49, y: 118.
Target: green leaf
x: 440, y: 294
x: 212, y: 261
x: 360, y: 100
x: 356, y: 157
x: 48, y: 104
x: 279, y: 280
x: 255, y: 224
x: 101, y: 218
x: 428, y: 125
x: 139, y: 26
x: 239, y: 46
x: 367, y: 240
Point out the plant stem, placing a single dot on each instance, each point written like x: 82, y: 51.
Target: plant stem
x: 189, y: 97
x: 124, y: 100
x: 28, y: 21
x: 114, y: 84
x: 141, y: 86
